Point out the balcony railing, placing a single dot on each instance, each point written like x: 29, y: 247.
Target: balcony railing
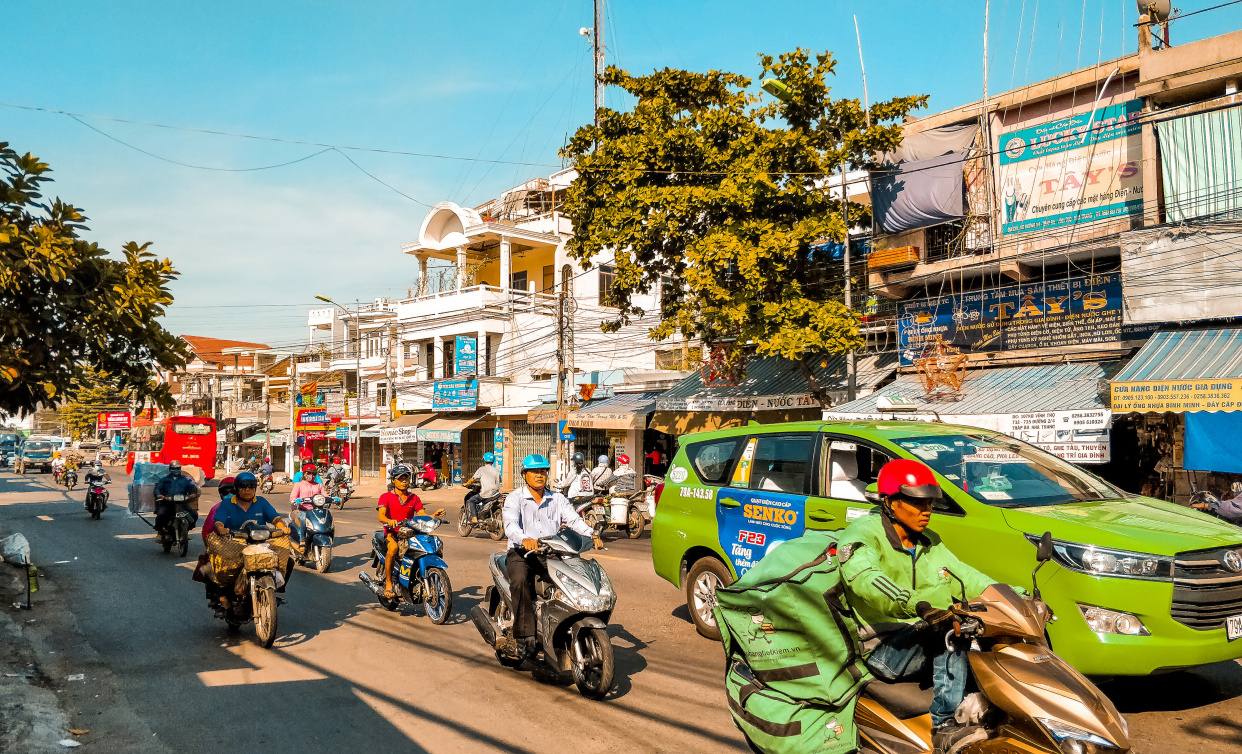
x: 475, y: 298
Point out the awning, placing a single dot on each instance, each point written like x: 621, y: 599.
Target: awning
x: 446, y: 428
x: 1187, y: 370
x: 625, y: 411
x: 1058, y: 408
x: 685, y: 422
x: 400, y: 430
x: 544, y: 413
x: 278, y: 438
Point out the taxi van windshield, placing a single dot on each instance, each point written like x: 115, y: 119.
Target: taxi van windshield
x: 1006, y: 473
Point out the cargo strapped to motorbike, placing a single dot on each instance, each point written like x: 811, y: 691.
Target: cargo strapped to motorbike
x: 794, y: 666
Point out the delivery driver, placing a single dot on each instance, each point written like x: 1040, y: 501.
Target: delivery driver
x: 892, y: 566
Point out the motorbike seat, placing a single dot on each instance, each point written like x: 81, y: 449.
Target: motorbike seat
x: 498, y: 560
x: 906, y: 699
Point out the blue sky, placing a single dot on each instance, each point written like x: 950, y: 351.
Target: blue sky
x: 488, y: 80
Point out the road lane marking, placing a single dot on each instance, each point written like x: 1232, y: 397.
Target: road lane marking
x: 269, y: 667
x: 191, y: 564
x: 45, y: 518
x: 135, y: 536
x: 606, y: 557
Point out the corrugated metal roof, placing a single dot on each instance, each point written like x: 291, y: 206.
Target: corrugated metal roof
x: 776, y: 375
x: 1003, y: 391
x: 1187, y: 355
x: 632, y: 403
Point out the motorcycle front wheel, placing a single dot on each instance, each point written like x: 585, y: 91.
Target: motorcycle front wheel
x: 593, y: 674
x: 265, y: 611
x: 183, y: 540
x: 323, y: 558
x: 497, y: 532
x: 437, y: 595
x: 636, y: 522
x: 464, y: 527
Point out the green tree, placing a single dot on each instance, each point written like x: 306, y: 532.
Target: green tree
x: 704, y: 185
x: 65, y: 307
x: 91, y: 394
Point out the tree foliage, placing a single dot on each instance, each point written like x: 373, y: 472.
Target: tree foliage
x: 65, y: 307
x: 91, y: 394
x: 704, y: 185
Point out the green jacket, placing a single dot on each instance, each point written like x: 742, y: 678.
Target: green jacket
x: 883, y: 582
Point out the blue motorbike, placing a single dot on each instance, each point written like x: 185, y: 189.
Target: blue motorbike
x: 420, y: 574
x: 311, y: 531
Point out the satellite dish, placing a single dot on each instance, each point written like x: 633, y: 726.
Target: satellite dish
x: 585, y: 32
x: 1157, y: 9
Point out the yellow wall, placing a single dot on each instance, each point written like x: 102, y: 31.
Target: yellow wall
x: 531, y: 261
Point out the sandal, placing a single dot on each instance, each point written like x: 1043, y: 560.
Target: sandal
x: 390, y: 594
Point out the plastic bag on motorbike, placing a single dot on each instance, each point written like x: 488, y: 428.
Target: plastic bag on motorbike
x: 786, y: 620
x: 774, y: 723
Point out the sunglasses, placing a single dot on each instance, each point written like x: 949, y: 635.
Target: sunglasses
x: 247, y: 486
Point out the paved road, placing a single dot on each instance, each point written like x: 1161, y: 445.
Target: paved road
x: 162, y: 674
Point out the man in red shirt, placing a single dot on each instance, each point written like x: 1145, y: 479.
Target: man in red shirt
x: 395, y: 507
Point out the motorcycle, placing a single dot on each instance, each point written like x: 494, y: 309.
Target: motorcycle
x: 420, y: 573
x: 1030, y: 699
x: 96, y: 499
x: 178, y: 533
x: 572, y: 608
x: 428, y: 479
x: 610, y: 510
x: 311, y: 531
x: 338, y: 491
x: 490, y: 516
x: 261, y: 575
x: 69, y: 478
x: 267, y: 485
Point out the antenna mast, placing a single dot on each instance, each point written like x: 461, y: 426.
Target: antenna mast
x: 598, y: 38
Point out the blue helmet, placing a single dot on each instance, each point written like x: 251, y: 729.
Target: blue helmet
x: 534, y: 462
x: 245, y: 479
x: 489, y: 458
x: 399, y: 470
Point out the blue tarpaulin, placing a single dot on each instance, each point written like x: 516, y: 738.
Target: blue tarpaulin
x: 1212, y: 441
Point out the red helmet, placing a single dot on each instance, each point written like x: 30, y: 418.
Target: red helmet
x: 309, y: 467
x: 623, y: 458
x: 909, y: 478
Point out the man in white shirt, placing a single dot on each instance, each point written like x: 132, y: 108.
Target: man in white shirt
x: 530, y: 513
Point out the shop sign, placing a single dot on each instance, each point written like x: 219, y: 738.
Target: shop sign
x: 498, y: 448
x: 466, y: 360
x: 1077, y: 435
x: 307, y: 418
x: 334, y: 403
x: 1063, y: 173
x: 455, y: 395
x: 548, y: 415
x: 342, y: 433
x: 398, y: 435
x: 439, y: 435
x: 1178, y: 395
x: 600, y: 420
x: 564, y: 432
x: 120, y: 420
x: 739, y: 403
x: 313, y: 435
x: 1039, y: 315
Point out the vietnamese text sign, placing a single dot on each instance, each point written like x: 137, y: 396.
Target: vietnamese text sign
x: 466, y: 360
x: 1038, y: 315
x: 606, y: 420
x: 120, y: 420
x: 498, y: 448
x: 455, y: 395
x: 1079, y: 169
x: 439, y: 435
x: 1178, y: 395
x: 738, y: 403
x: 308, y: 418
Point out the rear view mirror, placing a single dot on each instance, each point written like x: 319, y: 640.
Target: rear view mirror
x: 1045, y: 552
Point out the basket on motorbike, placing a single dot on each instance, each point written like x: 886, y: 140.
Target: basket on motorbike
x: 260, y: 558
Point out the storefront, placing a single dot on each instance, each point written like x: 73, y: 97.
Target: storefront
x: 399, y: 438
x: 279, y: 442
x: 1179, y: 404
x: 441, y: 442
x: 618, y: 425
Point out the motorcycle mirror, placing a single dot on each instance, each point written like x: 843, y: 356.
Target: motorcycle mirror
x: 1045, y: 551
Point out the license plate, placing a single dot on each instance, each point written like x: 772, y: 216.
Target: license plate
x: 1233, y: 627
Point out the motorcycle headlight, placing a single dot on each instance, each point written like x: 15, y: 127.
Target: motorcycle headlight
x: 1072, y: 740
x: 1103, y: 561
x: 583, y: 598
x: 319, y: 500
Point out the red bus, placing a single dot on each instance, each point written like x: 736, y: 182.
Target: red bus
x: 188, y: 439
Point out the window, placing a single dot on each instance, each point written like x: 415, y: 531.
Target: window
x: 567, y: 279
x: 191, y: 429
x: 712, y: 460
x: 850, y: 467
x: 489, y: 355
x: 448, y: 357
x: 780, y: 463
x: 549, y: 279
x: 411, y: 352
x: 517, y: 281
x: 381, y: 394
x: 430, y: 361
x: 607, y: 278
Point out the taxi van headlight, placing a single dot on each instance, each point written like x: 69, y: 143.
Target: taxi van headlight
x: 1104, y: 561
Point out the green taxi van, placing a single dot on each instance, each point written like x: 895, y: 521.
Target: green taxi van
x: 1138, y: 585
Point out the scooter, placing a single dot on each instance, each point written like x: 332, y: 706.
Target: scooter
x: 1031, y: 701
x: 572, y: 608
x: 311, y: 531
x: 420, y: 573
x: 428, y: 479
x: 490, y: 516
x: 616, y: 511
x: 178, y: 533
x: 267, y: 485
x: 261, y: 577
x: 96, y: 499
x: 70, y: 478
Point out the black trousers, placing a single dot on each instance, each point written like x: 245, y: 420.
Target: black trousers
x: 522, y: 571
x: 164, y: 516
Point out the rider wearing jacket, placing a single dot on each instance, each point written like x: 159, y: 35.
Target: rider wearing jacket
x: 577, y: 481
x: 174, y: 483
x: 95, y: 474
x: 897, y: 582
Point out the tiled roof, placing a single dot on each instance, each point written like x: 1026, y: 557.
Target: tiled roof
x: 209, y: 349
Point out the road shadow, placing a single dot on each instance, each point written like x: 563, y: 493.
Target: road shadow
x: 1177, y: 691
x: 628, y: 659
x: 463, y: 601
x: 1216, y: 728
x: 682, y: 612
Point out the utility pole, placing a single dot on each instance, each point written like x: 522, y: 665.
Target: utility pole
x: 267, y: 422
x: 560, y: 370
x: 598, y: 39
x: 293, y: 391
x: 357, y: 464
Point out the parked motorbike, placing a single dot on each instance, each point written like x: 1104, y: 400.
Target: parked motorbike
x: 69, y: 478
x: 420, y: 574
x: 428, y: 479
x: 284, y: 479
x: 96, y: 499
x: 572, y: 608
x: 261, y: 576
x: 178, y: 532
x: 311, y: 531
x: 1030, y: 699
x: 490, y: 516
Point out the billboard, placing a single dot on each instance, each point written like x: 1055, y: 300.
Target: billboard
x: 455, y: 395
x: 1073, y: 170
x: 311, y: 418
x: 466, y: 360
x: 1050, y: 314
x: 119, y: 420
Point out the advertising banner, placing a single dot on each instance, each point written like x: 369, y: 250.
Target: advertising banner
x: 751, y: 523
x: 1178, y: 395
x: 1037, y: 315
x: 455, y: 395
x: 311, y: 418
x: 466, y: 360
x: 738, y: 403
x: 398, y: 435
x: 120, y: 420
x: 498, y: 449
x: 439, y: 435
x: 1073, y: 170
x: 334, y: 403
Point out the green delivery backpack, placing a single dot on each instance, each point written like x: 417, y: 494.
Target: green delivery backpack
x: 794, y: 668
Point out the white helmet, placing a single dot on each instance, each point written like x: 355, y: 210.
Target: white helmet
x: 603, y: 460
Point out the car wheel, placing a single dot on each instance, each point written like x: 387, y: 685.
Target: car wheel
x: 701, y: 582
